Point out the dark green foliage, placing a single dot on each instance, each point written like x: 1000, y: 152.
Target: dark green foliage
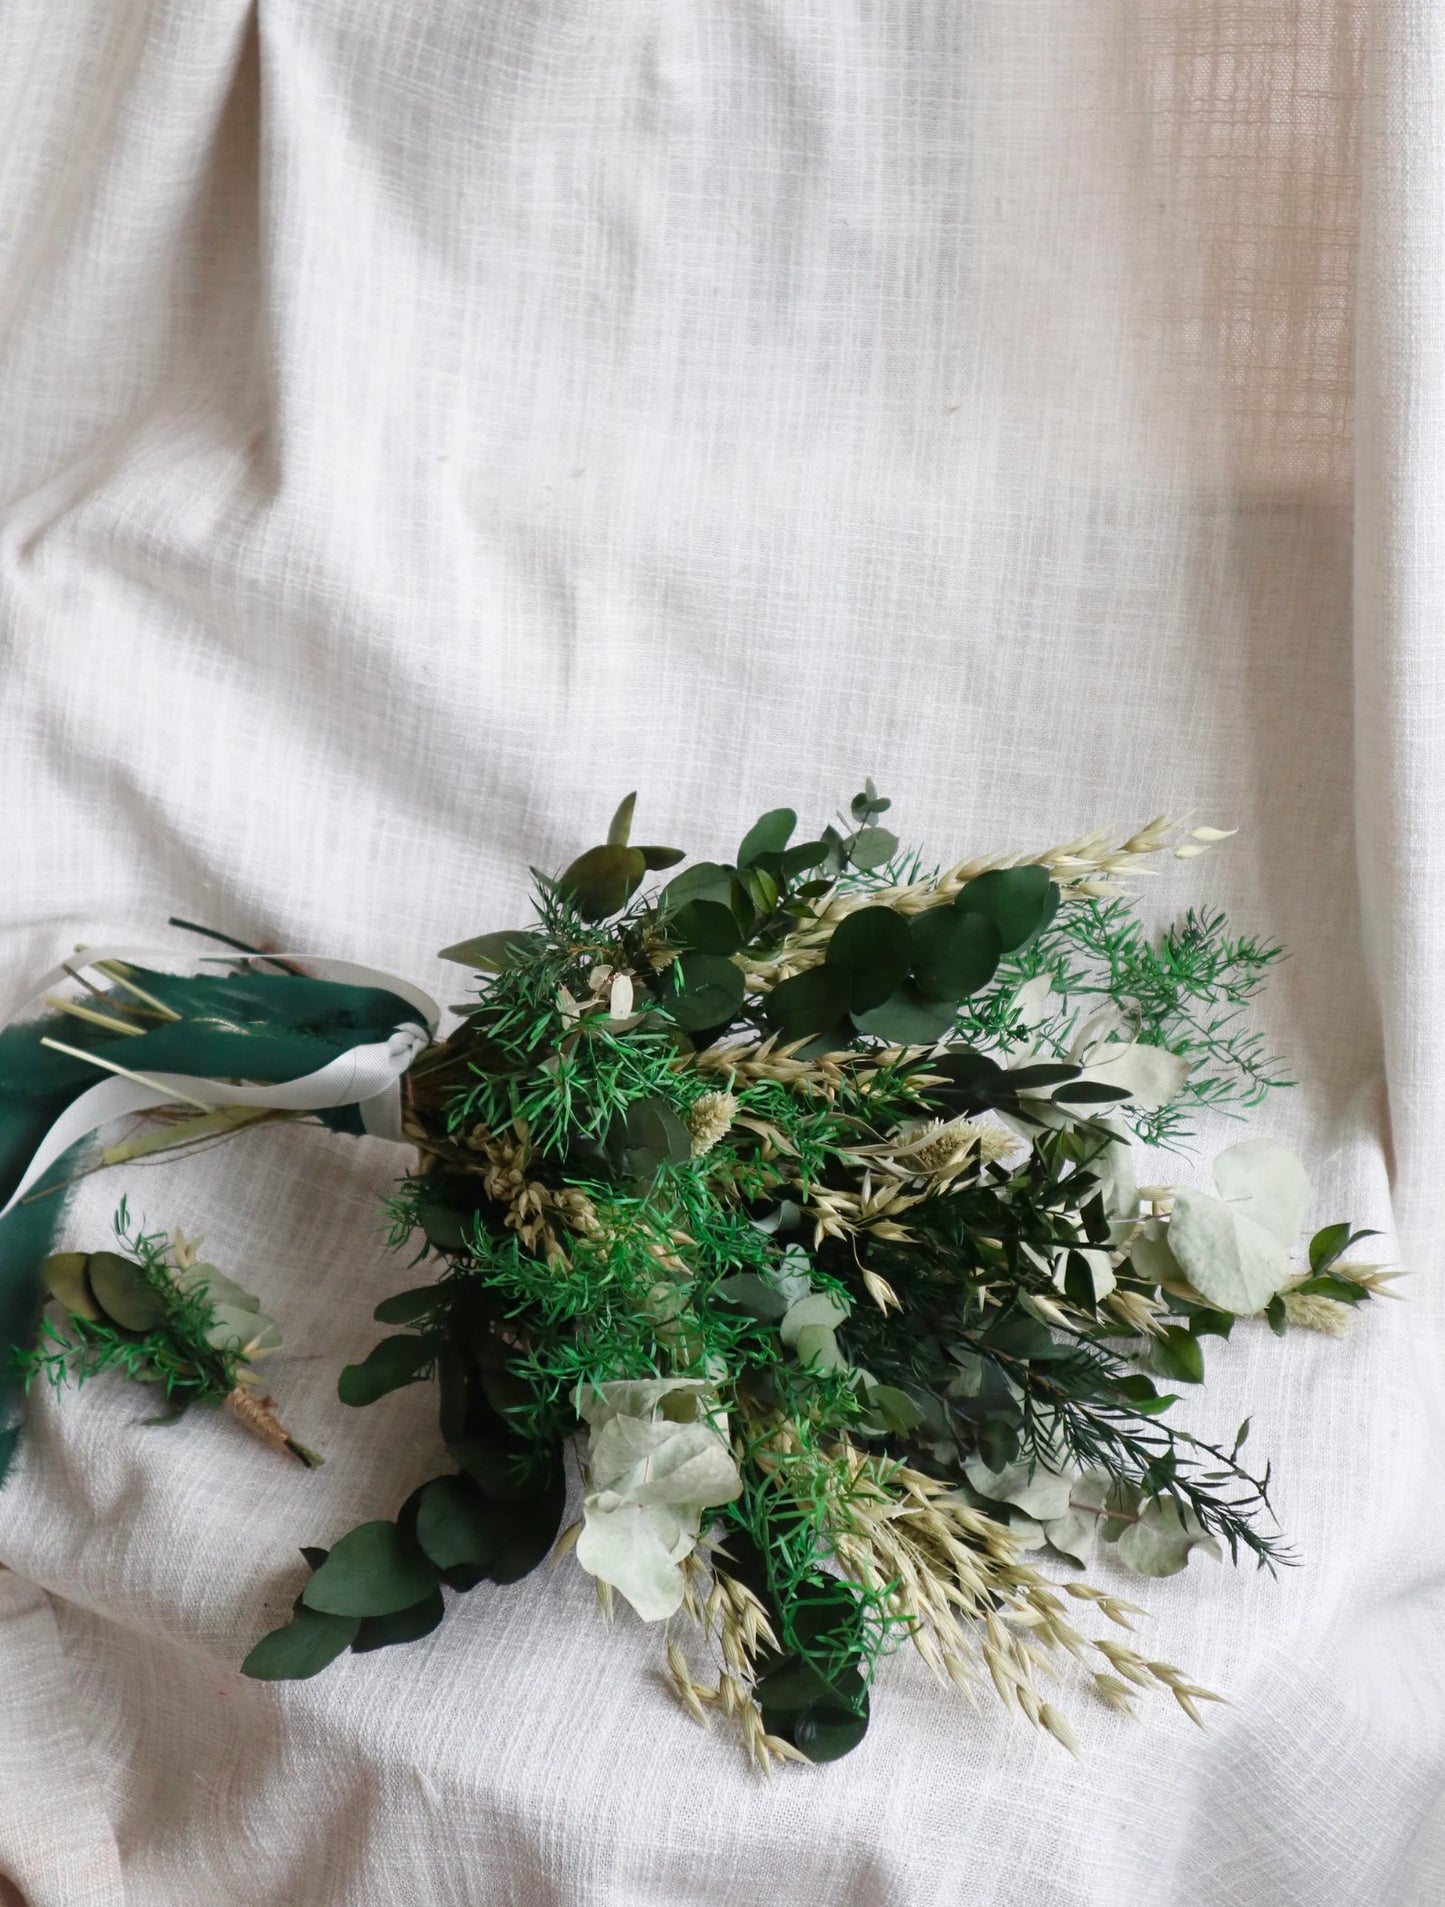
x: 603, y: 880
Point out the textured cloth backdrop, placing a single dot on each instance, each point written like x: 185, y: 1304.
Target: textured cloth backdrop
x: 425, y: 420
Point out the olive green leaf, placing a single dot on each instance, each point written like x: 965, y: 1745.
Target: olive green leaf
x: 619, y: 828
x: 603, y: 880
x: 493, y: 953
x: 124, y: 1293
x: 65, y: 1280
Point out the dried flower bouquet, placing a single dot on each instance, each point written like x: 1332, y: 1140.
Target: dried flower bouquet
x: 801, y: 1188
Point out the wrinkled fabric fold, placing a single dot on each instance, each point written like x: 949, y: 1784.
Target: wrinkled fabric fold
x: 425, y: 424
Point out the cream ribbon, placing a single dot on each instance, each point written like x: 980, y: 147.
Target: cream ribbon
x: 368, y: 1076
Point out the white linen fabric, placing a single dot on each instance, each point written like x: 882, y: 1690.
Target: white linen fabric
x: 425, y: 422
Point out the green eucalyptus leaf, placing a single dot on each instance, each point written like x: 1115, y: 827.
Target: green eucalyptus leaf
x: 703, y: 881
x: 308, y: 1643
x: 752, y: 1294
x: 456, y: 1525
x: 124, y: 1292
x: 906, y: 1019
x: 406, y: 1307
x: 819, y: 1308
x: 1162, y: 1541
x: 497, y: 1466
x: 711, y: 991
x: 65, y: 1280
x: 823, y: 1717
x: 403, y: 1625
x: 603, y: 880
x: 816, y: 1347
x: 871, y: 848
x: 802, y: 858
x: 233, y: 1329
x: 706, y: 926
x: 895, y: 1407
x: 1018, y: 900
x: 387, y: 1367
x: 527, y: 1528
x: 374, y: 1570
x: 953, y: 954
x: 769, y: 834
x: 650, y: 1134
x: 1017, y: 1335
x: 871, y: 950
x: 810, y: 1002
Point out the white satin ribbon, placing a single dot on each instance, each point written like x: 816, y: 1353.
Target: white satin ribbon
x: 368, y: 1076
